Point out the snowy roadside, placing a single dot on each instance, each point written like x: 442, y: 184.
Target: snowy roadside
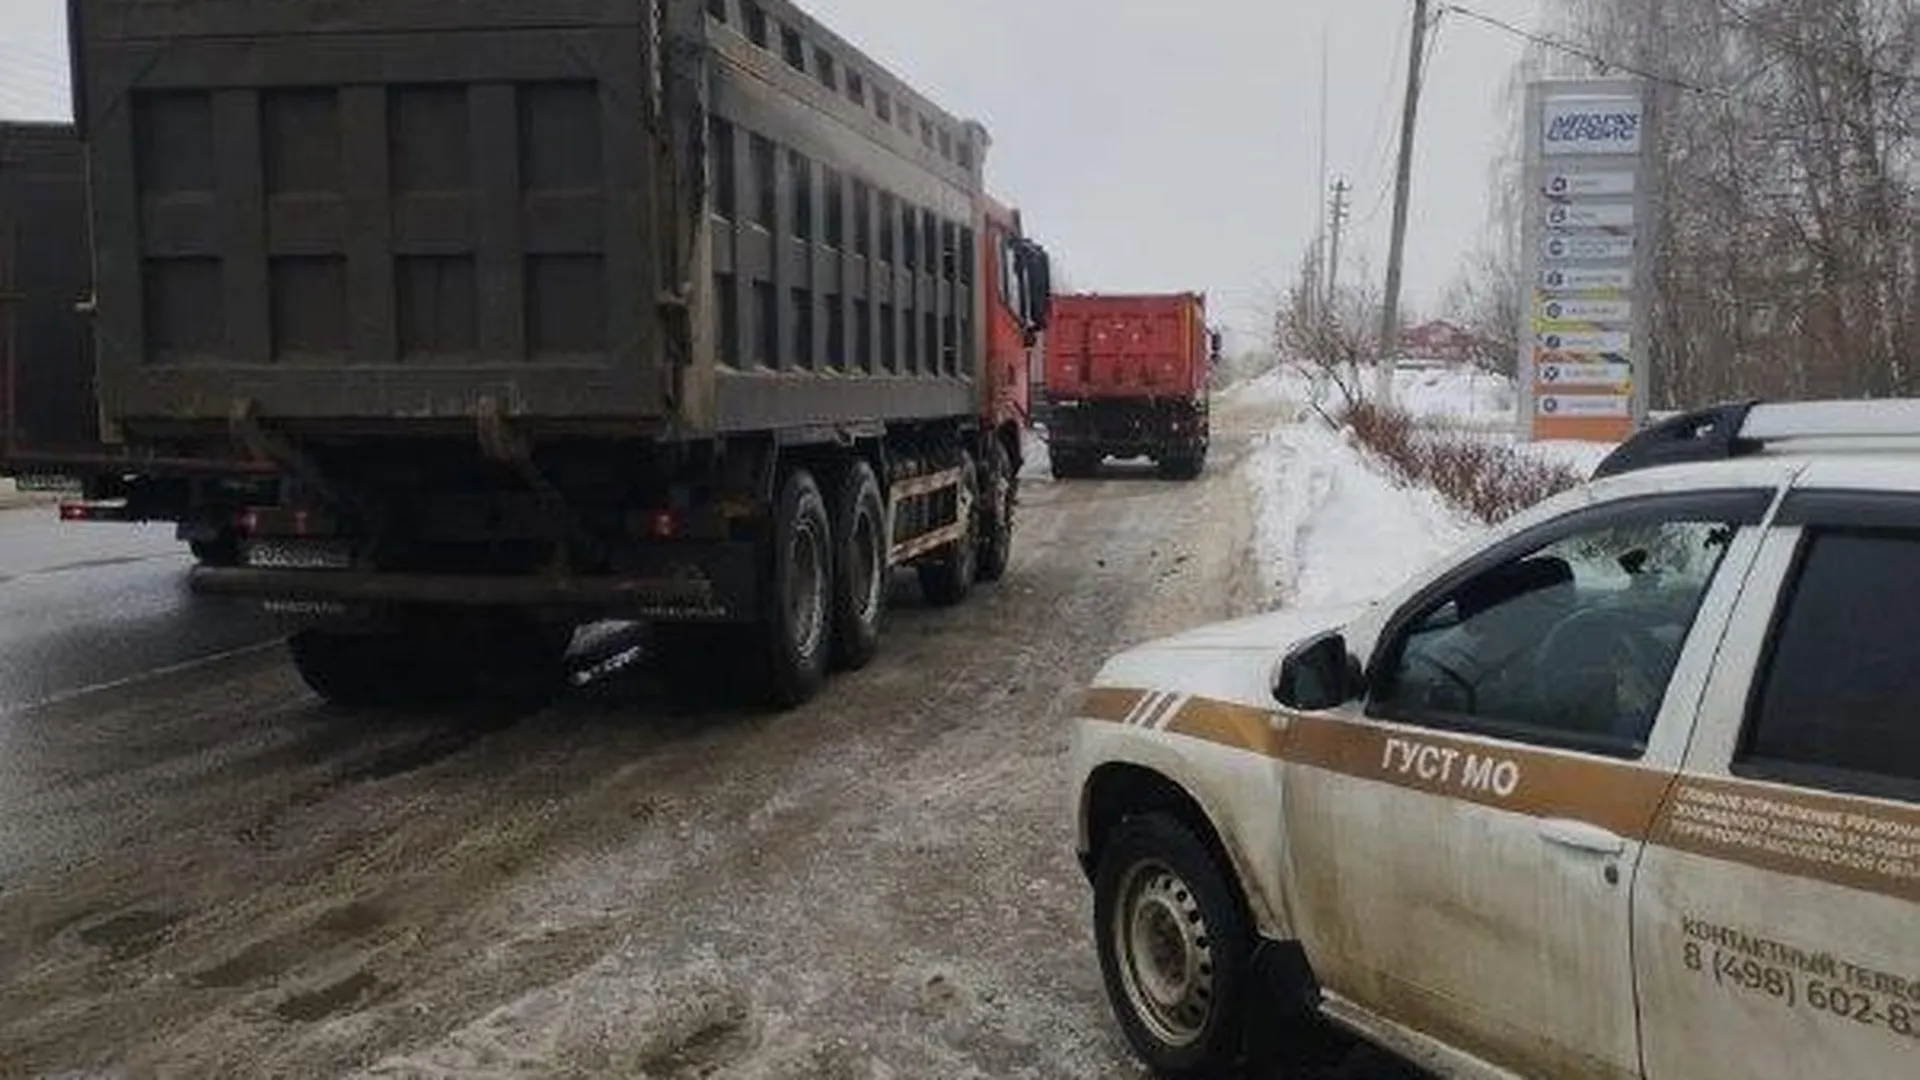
x: 1332, y: 528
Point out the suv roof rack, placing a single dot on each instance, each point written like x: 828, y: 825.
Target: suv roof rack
x: 1738, y: 429
x: 1710, y: 434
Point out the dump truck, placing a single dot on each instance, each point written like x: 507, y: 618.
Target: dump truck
x: 49, y: 415
x: 1126, y: 377
x: 683, y: 312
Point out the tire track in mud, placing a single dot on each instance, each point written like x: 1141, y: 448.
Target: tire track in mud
x: 879, y: 884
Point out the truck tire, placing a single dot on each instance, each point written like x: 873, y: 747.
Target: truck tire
x: 947, y: 577
x: 223, y: 550
x: 697, y: 662
x: 1074, y: 465
x: 996, y: 516
x: 1176, y: 949
x: 359, y: 671
x: 795, y: 628
x: 860, y: 543
x: 500, y: 659
x: 513, y: 661
x: 1186, y: 465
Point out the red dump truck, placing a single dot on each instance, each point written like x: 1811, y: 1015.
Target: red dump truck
x: 685, y: 313
x: 1126, y: 377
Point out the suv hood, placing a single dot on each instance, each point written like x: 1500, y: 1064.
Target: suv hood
x: 1231, y: 661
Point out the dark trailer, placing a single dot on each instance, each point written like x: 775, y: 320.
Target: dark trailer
x: 49, y: 412
x: 670, y: 309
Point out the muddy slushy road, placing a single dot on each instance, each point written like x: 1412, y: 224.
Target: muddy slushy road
x: 209, y: 874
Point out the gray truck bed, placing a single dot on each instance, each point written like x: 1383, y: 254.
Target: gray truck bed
x: 582, y: 215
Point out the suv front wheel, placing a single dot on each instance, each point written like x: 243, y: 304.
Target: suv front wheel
x: 1175, y: 947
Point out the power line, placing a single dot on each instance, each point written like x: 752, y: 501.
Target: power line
x: 1385, y: 187
x: 1591, y: 57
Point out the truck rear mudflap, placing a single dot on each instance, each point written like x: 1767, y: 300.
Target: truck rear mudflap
x: 715, y: 585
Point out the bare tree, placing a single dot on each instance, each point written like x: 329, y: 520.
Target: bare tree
x: 1789, y: 189
x: 1333, y: 338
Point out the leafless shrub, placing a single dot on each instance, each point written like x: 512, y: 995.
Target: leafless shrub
x: 1488, y: 480
x: 1335, y: 337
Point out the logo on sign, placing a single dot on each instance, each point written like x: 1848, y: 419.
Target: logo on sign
x: 1556, y: 279
x: 1550, y: 405
x: 1551, y: 374
x: 1600, y: 127
x: 1558, y: 216
x: 1559, y: 185
x: 1593, y: 127
x: 1554, y: 310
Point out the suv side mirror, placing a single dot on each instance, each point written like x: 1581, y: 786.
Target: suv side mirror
x: 1319, y: 673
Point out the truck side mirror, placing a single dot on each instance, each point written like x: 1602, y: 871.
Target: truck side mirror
x: 1036, y: 274
x: 1319, y: 673
x: 1213, y: 344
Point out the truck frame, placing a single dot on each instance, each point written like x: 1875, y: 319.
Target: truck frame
x: 681, y: 312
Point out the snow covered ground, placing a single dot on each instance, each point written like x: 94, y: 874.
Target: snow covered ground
x: 1450, y: 396
x: 1332, y: 528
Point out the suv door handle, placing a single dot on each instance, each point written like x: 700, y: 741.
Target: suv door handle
x: 1581, y: 836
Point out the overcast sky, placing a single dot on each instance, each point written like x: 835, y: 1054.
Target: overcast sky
x: 1150, y: 144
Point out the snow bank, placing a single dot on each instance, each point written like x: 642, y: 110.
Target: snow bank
x: 1332, y: 528
x: 1455, y: 394
x: 1034, y: 462
x: 1286, y: 384
x: 1428, y: 392
x: 1581, y: 457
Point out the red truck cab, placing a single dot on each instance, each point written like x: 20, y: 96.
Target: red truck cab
x: 1126, y: 377
x: 1018, y: 302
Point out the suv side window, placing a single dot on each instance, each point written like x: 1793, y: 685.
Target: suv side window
x: 1569, y: 644
x: 1837, y: 702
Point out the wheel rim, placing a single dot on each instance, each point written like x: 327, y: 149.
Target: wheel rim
x: 866, y: 566
x: 806, y: 594
x: 1165, y: 953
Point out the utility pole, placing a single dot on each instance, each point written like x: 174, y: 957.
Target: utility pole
x: 1320, y: 233
x: 1339, y: 217
x: 1396, y: 252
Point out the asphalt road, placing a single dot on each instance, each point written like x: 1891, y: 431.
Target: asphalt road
x: 206, y: 873
x: 82, y: 605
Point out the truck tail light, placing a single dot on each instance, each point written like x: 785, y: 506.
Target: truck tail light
x: 280, y: 522
x: 94, y: 511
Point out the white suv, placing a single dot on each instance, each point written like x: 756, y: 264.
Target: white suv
x: 1631, y: 788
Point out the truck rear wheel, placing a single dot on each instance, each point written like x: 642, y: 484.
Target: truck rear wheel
x: 1186, y: 465
x: 223, y: 550
x: 359, y: 670
x: 859, y: 567
x: 496, y: 658
x: 796, y: 614
x: 1073, y: 464
x: 512, y: 660
x: 946, y: 578
x: 996, y: 518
